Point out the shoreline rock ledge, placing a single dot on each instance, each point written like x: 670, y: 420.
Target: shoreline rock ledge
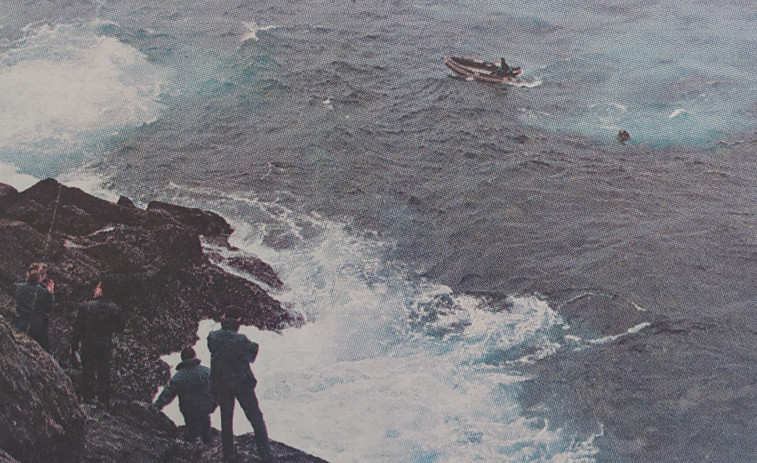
x: 166, y: 286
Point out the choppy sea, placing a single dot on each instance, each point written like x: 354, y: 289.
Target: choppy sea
x: 487, y: 273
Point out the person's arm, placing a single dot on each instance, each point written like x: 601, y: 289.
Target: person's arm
x: 119, y: 324
x: 78, y: 329
x: 167, y: 396
x: 250, y: 350
x: 48, y: 296
x: 20, y: 308
x: 211, y: 342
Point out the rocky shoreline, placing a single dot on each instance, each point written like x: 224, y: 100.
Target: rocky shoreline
x: 167, y: 285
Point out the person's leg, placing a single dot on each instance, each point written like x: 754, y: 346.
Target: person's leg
x: 204, y: 422
x: 249, y: 403
x: 87, y: 376
x: 191, y: 426
x: 103, y: 378
x: 40, y: 333
x: 226, y: 402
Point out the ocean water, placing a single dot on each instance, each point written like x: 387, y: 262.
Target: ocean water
x: 488, y: 275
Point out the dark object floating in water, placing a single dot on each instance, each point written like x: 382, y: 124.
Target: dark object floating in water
x: 479, y: 69
x: 623, y: 136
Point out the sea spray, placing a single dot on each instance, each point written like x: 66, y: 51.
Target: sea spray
x: 387, y: 368
x: 65, y: 83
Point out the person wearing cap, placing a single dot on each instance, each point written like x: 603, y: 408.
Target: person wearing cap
x: 96, y: 322
x: 196, y: 401
x: 34, y: 301
x: 231, y: 354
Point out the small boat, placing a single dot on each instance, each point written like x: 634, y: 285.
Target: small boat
x: 478, y: 69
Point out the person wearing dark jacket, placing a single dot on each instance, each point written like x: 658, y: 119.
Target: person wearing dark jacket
x: 98, y: 319
x: 34, y: 301
x: 231, y: 354
x: 196, y: 401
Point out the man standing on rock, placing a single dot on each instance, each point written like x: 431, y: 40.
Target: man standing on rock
x: 34, y: 301
x: 94, y: 326
x: 196, y: 401
x: 231, y: 377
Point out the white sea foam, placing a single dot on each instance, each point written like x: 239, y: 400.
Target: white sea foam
x: 253, y: 29
x: 81, y: 178
x: 525, y: 83
x: 61, y: 82
x: 364, y: 380
x: 580, y: 343
x: 10, y: 175
x: 676, y: 112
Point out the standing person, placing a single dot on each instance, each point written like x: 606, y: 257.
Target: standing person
x: 94, y: 326
x: 34, y: 301
x: 231, y: 354
x: 196, y: 401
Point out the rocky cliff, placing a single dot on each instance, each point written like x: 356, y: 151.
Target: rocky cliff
x: 167, y: 283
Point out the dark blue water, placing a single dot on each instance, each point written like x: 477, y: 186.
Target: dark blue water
x: 438, y: 233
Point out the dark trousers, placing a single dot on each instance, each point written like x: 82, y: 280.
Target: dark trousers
x: 40, y: 333
x: 197, y: 425
x: 95, y: 370
x: 245, y: 393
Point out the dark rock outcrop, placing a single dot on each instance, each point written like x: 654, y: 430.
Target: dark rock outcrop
x: 166, y: 286
x: 206, y: 223
x: 123, y: 201
x: 40, y: 416
x: 250, y: 266
x: 8, y: 195
x: 5, y: 458
x: 20, y: 245
x: 134, y: 432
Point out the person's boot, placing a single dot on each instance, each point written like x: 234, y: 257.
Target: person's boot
x: 231, y: 457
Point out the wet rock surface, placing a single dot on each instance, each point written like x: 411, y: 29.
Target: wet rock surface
x: 165, y: 285
x: 40, y: 415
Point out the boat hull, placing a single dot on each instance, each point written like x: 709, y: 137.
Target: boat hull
x: 479, y: 69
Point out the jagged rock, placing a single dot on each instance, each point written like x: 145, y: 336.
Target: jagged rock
x: 123, y: 201
x: 20, y: 245
x: 134, y: 432
x: 247, y: 449
x: 131, y: 432
x: 258, y: 269
x: 7, y: 306
x: 48, y: 205
x: 129, y: 250
x: 40, y: 417
x: 204, y: 222
x: 5, y: 458
x: 166, y: 286
x: 8, y: 195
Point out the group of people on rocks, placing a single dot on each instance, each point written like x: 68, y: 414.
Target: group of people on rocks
x: 229, y: 379
x: 200, y: 389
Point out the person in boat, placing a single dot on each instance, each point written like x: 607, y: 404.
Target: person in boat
x: 503, y: 68
x: 623, y: 136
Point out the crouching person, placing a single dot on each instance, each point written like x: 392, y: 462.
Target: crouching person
x: 196, y: 401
